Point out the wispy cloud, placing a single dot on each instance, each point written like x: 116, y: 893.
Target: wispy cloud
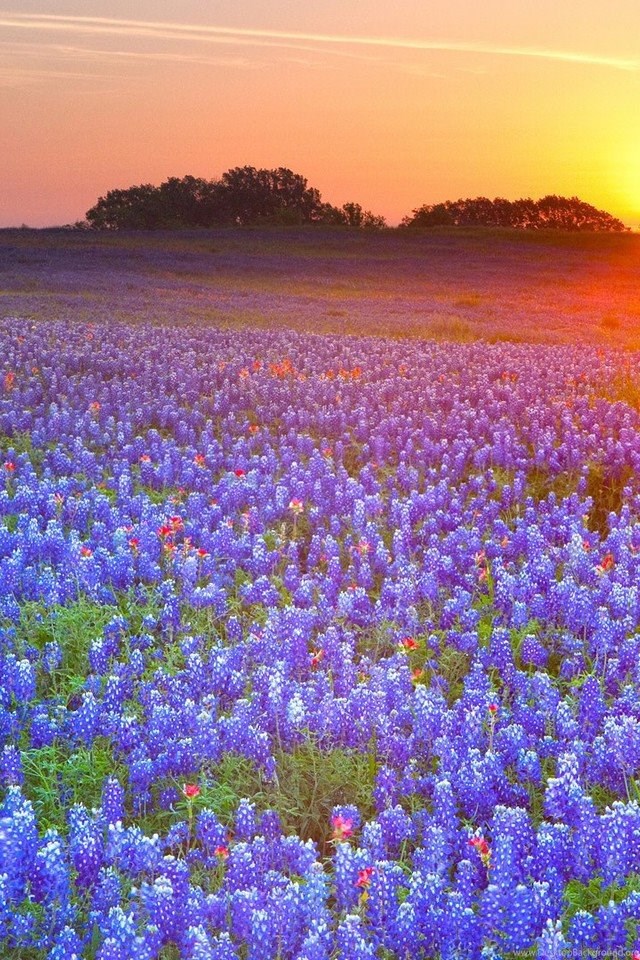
x: 71, y: 52
x: 202, y: 33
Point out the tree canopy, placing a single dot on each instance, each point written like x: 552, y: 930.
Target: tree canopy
x: 550, y: 212
x: 242, y: 195
x: 251, y: 196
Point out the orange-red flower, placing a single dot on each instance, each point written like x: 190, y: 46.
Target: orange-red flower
x: 364, y: 877
x: 409, y: 643
x: 607, y: 563
x: 482, y: 848
x: 342, y: 827
x: 191, y: 790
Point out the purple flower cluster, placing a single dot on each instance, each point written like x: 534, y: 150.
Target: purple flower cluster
x: 427, y: 554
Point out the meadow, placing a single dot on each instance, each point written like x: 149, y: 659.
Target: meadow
x: 447, y: 284
x: 320, y: 607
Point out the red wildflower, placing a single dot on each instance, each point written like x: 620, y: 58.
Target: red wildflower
x: 483, y: 849
x: 316, y: 657
x: 342, y: 826
x: 364, y: 877
x: 9, y: 381
x: 239, y: 472
x: 134, y: 543
x: 200, y: 460
x: 409, y: 643
x: 493, y: 708
x: 221, y: 851
x: 145, y: 458
x: 607, y: 563
x: 9, y: 466
x: 86, y: 552
x: 165, y: 531
x: 191, y: 790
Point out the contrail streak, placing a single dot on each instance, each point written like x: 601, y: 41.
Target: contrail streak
x: 203, y: 33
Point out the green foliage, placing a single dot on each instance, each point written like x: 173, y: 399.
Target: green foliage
x: 593, y: 895
x: 541, y: 482
x: 55, y: 779
x: 311, y: 780
x: 352, y: 458
x: 450, y: 328
x: 605, y: 486
x: 73, y: 627
x: 453, y: 666
x: 624, y: 388
x: 378, y: 641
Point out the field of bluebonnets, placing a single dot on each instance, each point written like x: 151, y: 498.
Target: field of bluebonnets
x: 316, y: 647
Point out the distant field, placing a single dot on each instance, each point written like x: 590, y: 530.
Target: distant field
x: 459, y: 285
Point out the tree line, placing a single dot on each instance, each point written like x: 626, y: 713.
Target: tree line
x: 250, y: 196
x: 550, y: 212
x: 243, y: 196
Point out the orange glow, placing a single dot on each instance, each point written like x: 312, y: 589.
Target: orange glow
x: 452, y: 99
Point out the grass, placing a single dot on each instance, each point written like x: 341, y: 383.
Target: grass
x: 468, y: 300
x: 56, y: 778
x: 623, y: 388
x: 310, y: 782
x: 449, y: 328
x: 595, y: 894
x: 605, y: 487
x: 73, y: 627
x: 349, y: 281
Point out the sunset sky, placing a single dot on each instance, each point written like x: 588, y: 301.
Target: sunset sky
x: 389, y: 104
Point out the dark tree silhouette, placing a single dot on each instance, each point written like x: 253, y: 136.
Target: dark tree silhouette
x: 550, y: 212
x: 137, y: 207
x: 242, y: 195
x: 247, y: 195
